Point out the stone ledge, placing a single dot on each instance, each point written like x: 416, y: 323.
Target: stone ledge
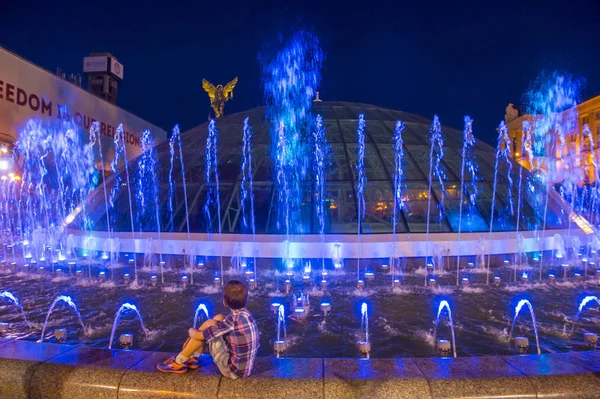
x: 45, y: 370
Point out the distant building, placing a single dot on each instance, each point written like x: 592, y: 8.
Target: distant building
x: 28, y: 91
x: 573, y: 159
x: 104, y: 72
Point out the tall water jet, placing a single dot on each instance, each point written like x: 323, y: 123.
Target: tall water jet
x: 360, y: 185
x: 526, y: 148
x: 520, y: 305
x: 70, y: 303
x: 553, y: 97
x: 247, y: 187
x: 321, y: 150
x: 398, y: 195
x: 468, y: 160
x: 95, y: 137
x: 364, y: 346
x: 125, y: 308
x: 280, y: 344
x: 436, y: 153
x: 121, y: 152
x: 201, y: 308
x: 10, y: 297
x: 291, y: 76
x: 445, y: 305
x: 211, y: 174
x: 147, y: 194
x: 502, y: 152
x: 173, y: 141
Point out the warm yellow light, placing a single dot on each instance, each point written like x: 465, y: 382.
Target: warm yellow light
x: 381, y: 206
x: 17, y: 178
x: 582, y: 223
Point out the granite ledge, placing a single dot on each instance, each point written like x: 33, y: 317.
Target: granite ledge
x: 33, y: 370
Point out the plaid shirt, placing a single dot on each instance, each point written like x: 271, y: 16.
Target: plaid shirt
x: 240, y: 333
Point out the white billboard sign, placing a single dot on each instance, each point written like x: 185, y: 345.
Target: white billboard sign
x: 116, y: 68
x: 95, y: 64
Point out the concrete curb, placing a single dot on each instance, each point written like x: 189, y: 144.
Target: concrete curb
x: 46, y: 370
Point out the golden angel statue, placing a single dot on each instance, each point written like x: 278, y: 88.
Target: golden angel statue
x: 219, y: 95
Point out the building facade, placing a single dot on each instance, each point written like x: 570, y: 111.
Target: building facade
x: 28, y: 91
x: 564, y: 146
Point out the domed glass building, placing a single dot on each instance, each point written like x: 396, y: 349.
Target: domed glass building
x: 340, y: 119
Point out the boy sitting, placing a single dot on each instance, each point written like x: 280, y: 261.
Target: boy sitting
x: 232, y: 340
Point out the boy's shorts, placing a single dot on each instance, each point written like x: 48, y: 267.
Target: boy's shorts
x: 220, y: 355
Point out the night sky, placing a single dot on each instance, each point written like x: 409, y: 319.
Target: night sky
x: 446, y: 57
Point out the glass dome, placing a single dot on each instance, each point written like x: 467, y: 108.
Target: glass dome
x: 340, y: 119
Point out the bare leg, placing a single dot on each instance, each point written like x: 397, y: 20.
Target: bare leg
x: 192, y: 346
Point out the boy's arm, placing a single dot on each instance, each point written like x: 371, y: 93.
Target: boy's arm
x: 217, y: 330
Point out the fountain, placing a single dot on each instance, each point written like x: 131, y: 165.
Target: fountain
x: 470, y: 163
x: 246, y: 186
x: 582, y: 305
x: 125, y: 308
x: 360, y: 185
x: 280, y: 342
x: 176, y: 139
x: 147, y: 189
x: 520, y: 305
x: 10, y: 297
x: 120, y: 150
x: 320, y: 155
x: 201, y: 308
x: 503, y: 151
x: 68, y: 301
x: 211, y: 175
x: 398, y: 198
x: 364, y: 346
x: 442, y: 346
x: 436, y: 153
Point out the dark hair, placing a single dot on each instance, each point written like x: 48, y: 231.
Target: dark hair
x: 235, y: 294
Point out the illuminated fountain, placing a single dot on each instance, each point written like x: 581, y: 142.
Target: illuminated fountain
x: 126, y: 307
x: 443, y: 345
x: 67, y: 300
x: 522, y: 343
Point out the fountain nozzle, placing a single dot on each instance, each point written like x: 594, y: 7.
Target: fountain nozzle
x: 252, y: 284
x: 288, y: 286
x: 325, y: 308
x: 3, y: 328
x: 60, y: 335
x: 497, y: 280
x: 590, y: 340
x: 522, y: 344
x: 360, y: 284
x: 126, y: 341
x: 279, y: 347
x: 127, y: 278
x: 369, y: 276
x: 364, y: 349
x: 154, y: 280
x: 444, y: 347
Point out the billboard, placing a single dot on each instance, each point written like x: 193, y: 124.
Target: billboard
x: 116, y: 68
x: 95, y: 64
x: 28, y: 91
